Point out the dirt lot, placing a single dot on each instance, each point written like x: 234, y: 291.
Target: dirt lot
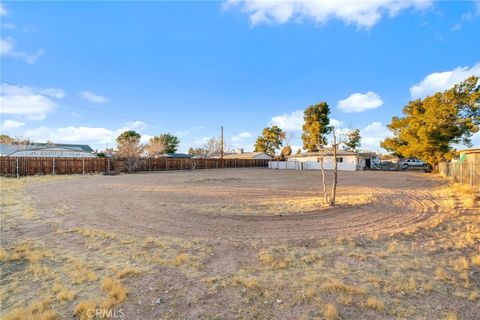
x: 239, y: 243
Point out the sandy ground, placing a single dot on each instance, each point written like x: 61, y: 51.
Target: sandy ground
x: 239, y: 244
x: 241, y: 204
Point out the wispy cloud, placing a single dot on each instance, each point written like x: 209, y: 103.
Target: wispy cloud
x: 92, y: 97
x: 241, y: 136
x: 288, y: 121
x: 364, y: 14
x: 7, y: 49
x: 441, y: 81
x: 3, y: 10
x: 23, y: 102
x: 373, y: 134
x: 359, y: 102
x: 12, y: 124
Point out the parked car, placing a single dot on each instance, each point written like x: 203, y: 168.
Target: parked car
x: 411, y: 163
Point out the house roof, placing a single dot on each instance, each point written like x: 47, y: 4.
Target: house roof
x: 244, y: 155
x: 177, y: 155
x: 324, y: 152
x: 468, y: 151
x: 9, y: 149
x: 77, y: 147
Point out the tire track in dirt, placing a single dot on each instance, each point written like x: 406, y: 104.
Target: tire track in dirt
x: 156, y: 204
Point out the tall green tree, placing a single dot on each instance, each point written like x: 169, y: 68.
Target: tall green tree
x: 430, y: 127
x: 316, y: 126
x: 353, y: 140
x: 270, y: 140
x: 170, y: 142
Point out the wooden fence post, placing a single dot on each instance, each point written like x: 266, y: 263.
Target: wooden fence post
x: 83, y: 165
x: 18, y: 173
x: 108, y: 165
x: 53, y: 166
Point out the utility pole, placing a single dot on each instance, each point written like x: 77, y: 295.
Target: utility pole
x: 221, y: 147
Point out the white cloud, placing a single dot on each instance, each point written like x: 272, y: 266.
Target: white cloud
x: 71, y: 134
x: 476, y: 140
x: 336, y: 123
x: 441, y: 81
x: 289, y: 121
x: 373, y: 134
x: 359, y: 102
x: 92, y: 97
x: 97, y: 136
x: 8, y: 26
x: 3, y: 10
x: 364, y: 13
x: 241, y: 136
x: 23, y: 102
x: 12, y: 124
x: 7, y: 49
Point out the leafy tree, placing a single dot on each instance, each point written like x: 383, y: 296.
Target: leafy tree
x: 430, y: 127
x: 170, y: 141
x: 5, y: 139
x: 285, y: 152
x: 129, y: 148
x: 353, y: 140
x: 316, y: 126
x: 156, y: 146
x: 270, y: 140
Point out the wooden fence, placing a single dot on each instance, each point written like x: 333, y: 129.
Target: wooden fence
x: 22, y: 166
x: 461, y: 172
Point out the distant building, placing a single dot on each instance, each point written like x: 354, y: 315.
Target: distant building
x: 47, y: 150
x: 240, y: 154
x: 346, y: 161
x: 469, y: 155
x: 176, y: 155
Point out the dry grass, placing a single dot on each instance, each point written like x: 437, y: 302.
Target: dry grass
x: 331, y: 312
x: 375, y: 304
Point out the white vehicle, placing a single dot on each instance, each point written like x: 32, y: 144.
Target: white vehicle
x: 412, y: 163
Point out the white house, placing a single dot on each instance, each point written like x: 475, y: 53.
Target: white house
x: 346, y: 161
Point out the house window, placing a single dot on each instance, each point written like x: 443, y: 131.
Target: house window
x: 339, y: 159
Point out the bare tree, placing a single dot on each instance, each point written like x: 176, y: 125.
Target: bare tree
x: 213, y: 147
x: 339, y: 137
x: 155, y: 147
x: 129, y: 148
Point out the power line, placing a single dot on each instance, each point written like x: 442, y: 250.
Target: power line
x: 112, y: 114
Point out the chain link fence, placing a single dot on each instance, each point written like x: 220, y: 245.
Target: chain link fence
x: 462, y: 172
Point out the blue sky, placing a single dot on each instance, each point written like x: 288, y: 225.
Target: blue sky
x: 190, y: 67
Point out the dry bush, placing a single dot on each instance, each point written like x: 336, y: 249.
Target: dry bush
x: 250, y: 283
x: 451, y: 316
x: 375, y: 304
x: 476, y: 260
x: 37, y: 310
x: 331, y: 312
x: 83, y: 307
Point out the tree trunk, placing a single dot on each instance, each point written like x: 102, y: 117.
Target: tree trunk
x: 334, y: 186
x: 323, y: 181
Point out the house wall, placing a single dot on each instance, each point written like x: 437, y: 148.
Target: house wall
x: 311, y: 163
